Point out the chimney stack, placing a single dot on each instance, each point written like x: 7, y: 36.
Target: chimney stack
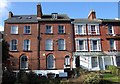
x: 39, y: 11
x: 92, y: 15
x: 10, y: 14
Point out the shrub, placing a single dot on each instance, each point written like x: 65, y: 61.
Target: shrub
x: 114, y: 70
x: 8, y: 77
x: 92, y: 78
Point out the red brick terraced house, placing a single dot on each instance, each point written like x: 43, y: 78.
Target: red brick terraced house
x: 55, y: 43
x: 42, y: 43
x: 96, y: 42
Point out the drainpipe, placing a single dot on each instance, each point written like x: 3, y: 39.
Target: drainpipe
x: 38, y: 45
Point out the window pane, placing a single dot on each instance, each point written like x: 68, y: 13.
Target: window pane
x: 61, y: 29
x: 61, y: 44
x: 48, y: 29
x: 94, y: 44
x: 49, y: 44
x: 111, y: 43
x: 67, y: 60
x: 110, y: 29
x: 81, y: 45
x: 94, y: 62
x: 79, y: 29
x: 27, y: 30
x: 24, y: 62
x: 14, y: 45
x: 14, y: 29
x: 26, y: 44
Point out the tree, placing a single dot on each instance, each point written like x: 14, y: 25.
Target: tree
x: 5, y: 51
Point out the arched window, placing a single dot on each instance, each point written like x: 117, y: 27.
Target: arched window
x: 67, y: 60
x: 50, y: 62
x: 49, y: 44
x: 61, y: 44
x: 26, y: 46
x: 23, y: 62
x: 13, y: 45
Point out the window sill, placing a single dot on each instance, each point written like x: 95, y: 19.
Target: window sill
x: 62, y: 33
x: 95, y: 51
x: 81, y: 34
x: 14, y: 34
x: 62, y: 50
x: 49, y: 50
x: 82, y: 50
x: 27, y: 34
x: 14, y: 51
x: 94, y: 34
x: 27, y: 51
x: 49, y: 33
x: 52, y: 69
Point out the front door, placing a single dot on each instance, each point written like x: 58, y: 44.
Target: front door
x: 77, y: 61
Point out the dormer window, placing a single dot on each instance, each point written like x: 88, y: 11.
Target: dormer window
x: 19, y: 17
x: 54, y: 15
x: 29, y: 17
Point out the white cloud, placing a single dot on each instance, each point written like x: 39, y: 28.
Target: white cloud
x: 4, y: 5
x: 1, y: 28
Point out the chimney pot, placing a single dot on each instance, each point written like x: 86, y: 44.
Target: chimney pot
x: 10, y: 14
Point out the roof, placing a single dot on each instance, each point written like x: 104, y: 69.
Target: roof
x: 22, y: 19
x: 110, y: 20
x: 34, y: 19
x: 85, y: 20
x: 60, y: 17
x: 98, y: 20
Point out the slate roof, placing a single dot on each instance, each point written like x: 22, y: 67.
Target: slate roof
x: 85, y: 20
x: 22, y: 19
x: 98, y: 20
x: 34, y: 19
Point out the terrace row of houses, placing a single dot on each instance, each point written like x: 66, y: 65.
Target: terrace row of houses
x: 55, y: 42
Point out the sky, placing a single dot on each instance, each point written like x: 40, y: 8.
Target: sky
x: 107, y: 10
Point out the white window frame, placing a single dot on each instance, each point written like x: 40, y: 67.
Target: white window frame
x: 85, y: 44
x: 16, y: 30
x: 50, y: 29
x: 21, y: 61
x: 27, y: 29
x: 49, y: 44
x: 63, y: 29
x: 13, y: 45
x: 98, y: 44
x: 67, y: 60
x: 83, y: 29
x: 112, y: 29
x: 114, y: 44
x: 24, y: 48
x: 95, y: 65
x: 97, y: 29
x: 59, y: 44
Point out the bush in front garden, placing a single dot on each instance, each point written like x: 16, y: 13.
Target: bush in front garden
x: 114, y: 70
x: 92, y: 78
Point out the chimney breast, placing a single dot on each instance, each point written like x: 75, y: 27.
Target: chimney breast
x: 39, y: 11
x: 10, y: 14
x: 92, y: 15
